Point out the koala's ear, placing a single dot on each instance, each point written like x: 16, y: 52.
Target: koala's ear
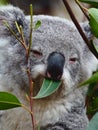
x: 89, y: 34
x: 11, y: 14
x: 87, y: 30
x: 89, y: 59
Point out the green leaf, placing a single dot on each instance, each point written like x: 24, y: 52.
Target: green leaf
x: 96, y: 48
x: 37, y: 25
x: 93, y: 13
x: 93, y: 125
x: 3, y: 2
x: 48, y: 88
x: 93, y: 2
x: 90, y: 91
x: 8, y: 101
x: 93, y: 79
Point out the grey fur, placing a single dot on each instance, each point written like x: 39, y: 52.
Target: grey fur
x: 63, y: 110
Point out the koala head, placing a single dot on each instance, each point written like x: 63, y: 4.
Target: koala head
x: 64, y: 54
x: 58, y: 51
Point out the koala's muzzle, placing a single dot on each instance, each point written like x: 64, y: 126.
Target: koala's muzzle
x: 55, y: 65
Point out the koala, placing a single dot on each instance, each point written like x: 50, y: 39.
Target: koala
x: 58, y: 52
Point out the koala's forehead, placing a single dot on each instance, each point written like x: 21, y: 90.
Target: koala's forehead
x: 56, y: 33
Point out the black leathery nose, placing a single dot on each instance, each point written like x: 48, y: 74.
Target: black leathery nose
x: 55, y: 65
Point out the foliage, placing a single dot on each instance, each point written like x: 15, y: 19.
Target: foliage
x: 92, y: 79
x: 8, y: 101
x: 92, y: 99
x: 93, y: 125
x: 92, y: 2
x: 48, y: 87
x: 92, y: 95
x: 93, y: 13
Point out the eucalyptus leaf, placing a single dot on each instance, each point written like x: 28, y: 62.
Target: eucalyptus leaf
x: 37, y: 25
x: 96, y: 48
x: 92, y: 79
x: 8, y: 101
x: 93, y: 13
x: 93, y: 2
x: 48, y: 87
x: 93, y: 125
x: 90, y: 91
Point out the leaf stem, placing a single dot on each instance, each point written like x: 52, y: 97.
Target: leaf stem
x: 13, y: 33
x: 26, y: 108
x: 31, y: 28
x: 84, y: 10
x: 29, y: 69
x: 31, y: 94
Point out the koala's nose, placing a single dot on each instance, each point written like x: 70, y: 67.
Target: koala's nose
x: 55, y: 65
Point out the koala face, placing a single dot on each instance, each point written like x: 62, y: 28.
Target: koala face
x: 58, y: 51
x: 56, y: 36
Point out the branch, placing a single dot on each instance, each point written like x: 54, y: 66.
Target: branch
x: 27, y: 48
x: 30, y: 97
x: 88, y: 43
x: 13, y: 33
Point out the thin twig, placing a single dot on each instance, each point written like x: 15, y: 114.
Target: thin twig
x: 23, y: 40
x: 88, y: 43
x: 13, y: 33
x: 83, y: 9
x: 31, y: 28
x: 29, y: 69
x: 26, y: 108
x: 18, y: 27
x: 31, y: 94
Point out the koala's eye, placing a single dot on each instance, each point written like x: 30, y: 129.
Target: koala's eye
x: 73, y: 60
x: 36, y: 53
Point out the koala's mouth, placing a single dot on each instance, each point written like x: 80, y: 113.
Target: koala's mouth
x: 38, y: 82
